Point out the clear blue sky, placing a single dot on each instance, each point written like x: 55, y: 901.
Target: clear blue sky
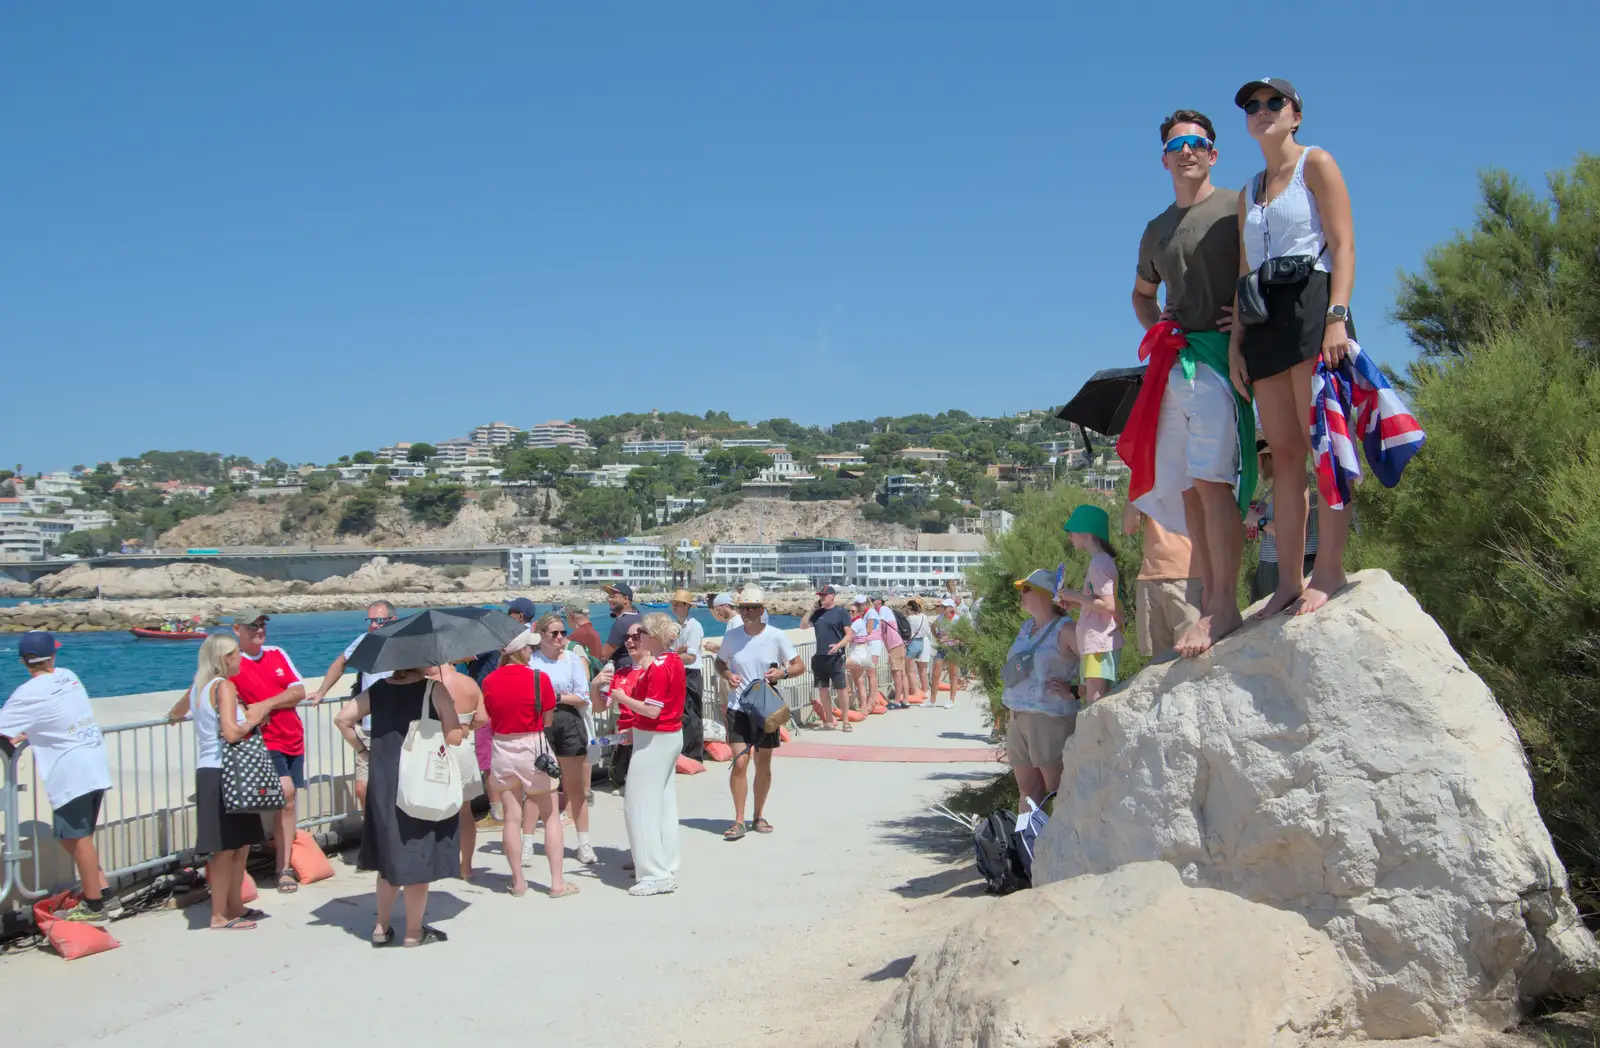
x: 303, y: 229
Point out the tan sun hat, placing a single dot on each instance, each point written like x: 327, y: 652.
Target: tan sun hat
x: 682, y: 596
x: 751, y: 594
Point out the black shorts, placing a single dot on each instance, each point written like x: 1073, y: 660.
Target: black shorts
x: 291, y: 768
x: 827, y: 671
x: 742, y: 728
x: 76, y: 819
x: 566, y: 734
x: 218, y: 831
x: 1297, y: 316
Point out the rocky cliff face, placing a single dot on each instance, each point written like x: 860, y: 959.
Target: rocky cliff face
x: 769, y: 520
x: 249, y: 522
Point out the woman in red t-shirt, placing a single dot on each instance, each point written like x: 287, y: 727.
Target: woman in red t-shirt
x: 516, y: 699
x: 651, y: 798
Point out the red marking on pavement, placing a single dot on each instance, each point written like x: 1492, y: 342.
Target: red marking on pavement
x: 892, y: 754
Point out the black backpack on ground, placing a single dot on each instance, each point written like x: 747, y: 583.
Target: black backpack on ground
x: 999, y: 859
x: 902, y: 624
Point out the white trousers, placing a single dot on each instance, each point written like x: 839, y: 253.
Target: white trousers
x: 650, y: 803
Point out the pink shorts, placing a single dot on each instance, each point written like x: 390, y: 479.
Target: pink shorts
x: 512, y: 765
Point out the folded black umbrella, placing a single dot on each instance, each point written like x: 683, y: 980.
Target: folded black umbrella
x: 1103, y: 404
x: 433, y: 638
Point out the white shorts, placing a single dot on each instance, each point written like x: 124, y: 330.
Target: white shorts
x: 876, y: 647
x: 1198, y: 440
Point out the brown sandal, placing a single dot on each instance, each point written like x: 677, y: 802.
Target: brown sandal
x: 566, y: 889
x: 734, y: 832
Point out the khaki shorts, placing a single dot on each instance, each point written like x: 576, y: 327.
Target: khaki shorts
x: 1166, y: 607
x: 362, y: 754
x: 897, y: 659
x: 1036, y: 740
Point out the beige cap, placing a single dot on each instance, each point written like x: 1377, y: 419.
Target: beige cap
x: 525, y: 639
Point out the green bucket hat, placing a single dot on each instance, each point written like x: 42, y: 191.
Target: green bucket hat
x: 1091, y: 520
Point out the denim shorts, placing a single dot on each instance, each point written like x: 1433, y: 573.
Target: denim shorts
x: 291, y: 768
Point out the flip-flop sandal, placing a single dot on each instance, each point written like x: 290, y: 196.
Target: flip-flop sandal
x: 566, y: 889
x: 429, y: 936
x: 288, y: 882
x: 380, y: 941
x: 763, y: 826
x: 251, y: 914
x: 849, y: 727
x: 734, y: 832
x: 238, y: 924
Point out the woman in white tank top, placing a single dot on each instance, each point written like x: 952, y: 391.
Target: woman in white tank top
x: 1297, y: 207
x: 220, y: 718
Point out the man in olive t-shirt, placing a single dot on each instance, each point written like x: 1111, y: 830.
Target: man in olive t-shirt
x: 1193, y: 248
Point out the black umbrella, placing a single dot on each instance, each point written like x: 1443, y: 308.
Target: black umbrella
x: 1102, y: 405
x: 433, y: 638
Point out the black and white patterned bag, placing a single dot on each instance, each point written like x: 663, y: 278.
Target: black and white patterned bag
x: 249, y: 781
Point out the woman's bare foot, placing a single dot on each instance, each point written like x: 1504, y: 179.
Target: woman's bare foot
x: 1280, y: 601
x: 1317, y: 592
x: 1199, y: 638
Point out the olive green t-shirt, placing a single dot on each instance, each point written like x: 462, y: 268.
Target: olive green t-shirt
x: 1194, y: 251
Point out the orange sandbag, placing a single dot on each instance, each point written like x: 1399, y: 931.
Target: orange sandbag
x: 879, y: 710
x: 944, y: 685
x: 856, y: 716
x: 247, y: 885
x: 718, y: 751
x: 877, y: 697
x: 689, y: 766
x: 916, y: 699
x: 783, y: 734
x: 307, y: 859
x: 70, y: 939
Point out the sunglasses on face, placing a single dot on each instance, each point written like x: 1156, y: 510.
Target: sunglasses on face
x: 1198, y: 143
x: 1274, y: 104
x: 254, y: 627
x: 633, y: 635
x: 379, y: 621
x: 555, y: 633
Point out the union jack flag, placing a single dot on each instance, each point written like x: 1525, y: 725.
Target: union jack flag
x: 1355, y: 402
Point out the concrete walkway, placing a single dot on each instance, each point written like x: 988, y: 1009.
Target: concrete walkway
x: 788, y: 939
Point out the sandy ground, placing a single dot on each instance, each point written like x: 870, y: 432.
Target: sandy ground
x: 791, y: 939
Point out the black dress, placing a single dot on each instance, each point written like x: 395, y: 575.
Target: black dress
x: 401, y: 849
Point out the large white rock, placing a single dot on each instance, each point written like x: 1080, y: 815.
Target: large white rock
x: 1349, y: 767
x: 1133, y: 959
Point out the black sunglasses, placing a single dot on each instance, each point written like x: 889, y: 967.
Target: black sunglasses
x: 1274, y: 104
x: 380, y: 621
x: 555, y: 633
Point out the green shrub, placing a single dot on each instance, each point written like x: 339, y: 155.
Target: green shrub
x: 359, y: 513
x: 430, y: 502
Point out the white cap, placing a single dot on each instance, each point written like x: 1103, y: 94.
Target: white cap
x: 722, y: 600
x: 861, y: 598
x: 526, y: 639
x: 947, y: 603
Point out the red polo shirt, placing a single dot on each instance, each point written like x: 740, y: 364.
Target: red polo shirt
x: 516, y: 698
x: 264, y: 677
x: 624, y: 682
x: 662, y: 684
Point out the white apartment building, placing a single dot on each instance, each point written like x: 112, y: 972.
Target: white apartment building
x: 395, y: 453
x: 901, y: 570
x: 732, y: 562
x: 461, y: 451
x: 614, y: 475
x: 936, y: 456
x: 88, y: 519
x: 493, y: 435
x: 58, y: 483
x: 655, y: 447
x: 46, y: 504
x: 841, y: 459
x: 472, y: 475
x: 558, y: 433
x: 640, y: 565
x: 11, y: 506
x: 670, y: 509
x: 896, y: 485
x: 21, y: 539
x: 824, y: 561
x: 751, y: 442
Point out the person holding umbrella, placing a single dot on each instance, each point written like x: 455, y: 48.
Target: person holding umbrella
x: 405, y: 852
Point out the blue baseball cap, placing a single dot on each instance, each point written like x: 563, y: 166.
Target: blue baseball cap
x: 523, y: 606
x: 37, y: 646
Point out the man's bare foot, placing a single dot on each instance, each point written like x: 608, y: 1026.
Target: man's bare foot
x: 1317, y: 592
x: 1199, y: 638
x: 1280, y: 601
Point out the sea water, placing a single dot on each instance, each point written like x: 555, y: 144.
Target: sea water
x: 116, y: 663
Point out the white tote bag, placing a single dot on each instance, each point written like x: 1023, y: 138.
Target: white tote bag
x: 430, y: 779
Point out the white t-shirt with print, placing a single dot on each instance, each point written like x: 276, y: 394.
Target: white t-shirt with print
x: 53, y: 711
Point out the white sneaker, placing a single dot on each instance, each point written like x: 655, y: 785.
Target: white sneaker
x: 586, y: 854
x: 654, y: 886
x: 527, y: 852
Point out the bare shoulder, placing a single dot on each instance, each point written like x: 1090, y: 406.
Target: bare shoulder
x: 1320, y: 166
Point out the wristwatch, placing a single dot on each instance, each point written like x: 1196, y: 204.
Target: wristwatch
x: 1339, y: 313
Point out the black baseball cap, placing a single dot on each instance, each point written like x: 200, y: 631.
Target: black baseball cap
x: 523, y: 606
x: 1273, y: 83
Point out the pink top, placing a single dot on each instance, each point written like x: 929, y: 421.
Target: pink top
x: 1097, y: 630
x: 874, y: 624
x: 891, y: 631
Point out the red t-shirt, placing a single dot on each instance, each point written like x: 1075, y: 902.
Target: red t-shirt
x: 624, y: 682
x: 662, y: 683
x: 516, y: 698
x: 264, y: 677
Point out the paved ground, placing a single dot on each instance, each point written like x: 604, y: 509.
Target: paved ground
x: 791, y: 939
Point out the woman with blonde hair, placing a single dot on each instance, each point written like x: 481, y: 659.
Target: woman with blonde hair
x: 222, y: 836
x: 651, y: 799
x: 570, y: 727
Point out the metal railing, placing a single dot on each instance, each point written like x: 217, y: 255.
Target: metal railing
x: 148, y: 819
